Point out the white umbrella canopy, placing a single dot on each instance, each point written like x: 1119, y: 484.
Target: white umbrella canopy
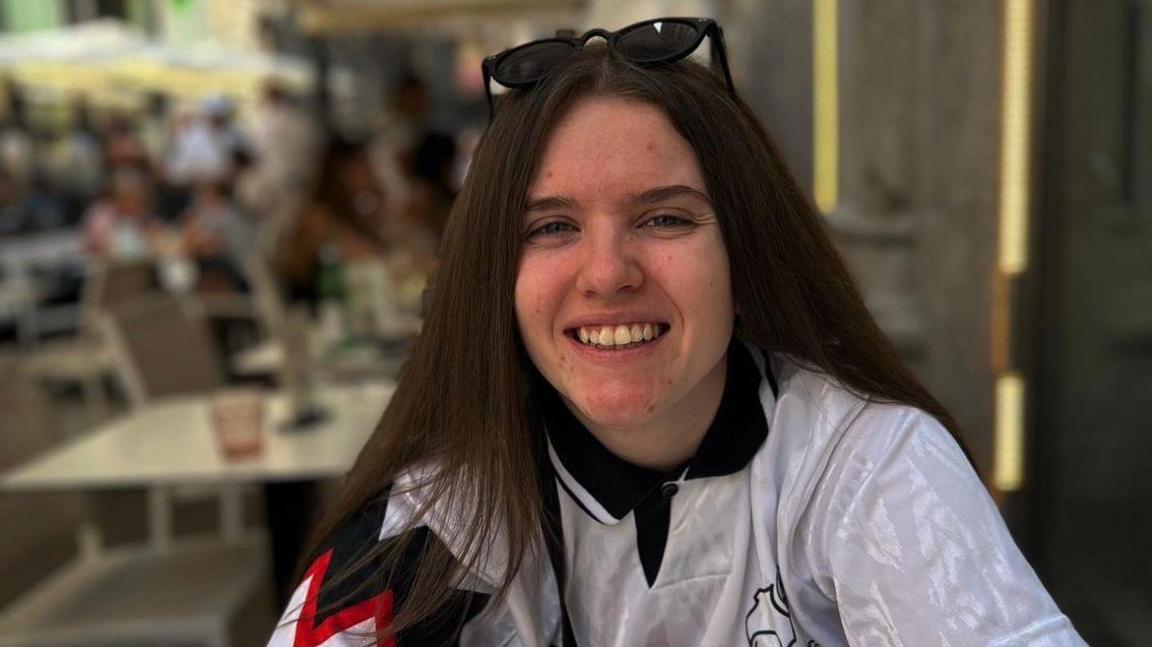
x: 100, y: 39
x: 107, y: 58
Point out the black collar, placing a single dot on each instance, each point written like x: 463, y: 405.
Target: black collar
x: 608, y: 487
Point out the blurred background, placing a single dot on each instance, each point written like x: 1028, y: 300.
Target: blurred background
x: 218, y: 218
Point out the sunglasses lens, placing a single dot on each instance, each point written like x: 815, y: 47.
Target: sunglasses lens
x: 657, y: 41
x: 530, y: 63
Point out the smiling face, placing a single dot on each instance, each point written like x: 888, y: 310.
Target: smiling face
x: 623, y: 296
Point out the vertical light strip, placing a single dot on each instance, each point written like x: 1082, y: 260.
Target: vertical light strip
x: 1015, y: 136
x: 826, y: 103
x: 1012, y: 257
x: 1009, y: 459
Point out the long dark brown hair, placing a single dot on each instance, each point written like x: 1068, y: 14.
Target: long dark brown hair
x: 463, y: 399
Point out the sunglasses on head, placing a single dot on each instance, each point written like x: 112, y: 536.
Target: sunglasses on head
x: 652, y: 42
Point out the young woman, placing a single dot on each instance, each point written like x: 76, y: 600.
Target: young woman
x: 648, y: 406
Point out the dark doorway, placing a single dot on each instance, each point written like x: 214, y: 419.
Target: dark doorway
x: 1086, y: 516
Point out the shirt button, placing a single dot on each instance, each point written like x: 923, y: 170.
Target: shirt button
x: 669, y: 490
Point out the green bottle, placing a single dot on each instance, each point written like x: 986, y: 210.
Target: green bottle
x: 332, y: 292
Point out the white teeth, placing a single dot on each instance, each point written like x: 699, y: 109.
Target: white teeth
x: 620, y: 335
x: 623, y: 335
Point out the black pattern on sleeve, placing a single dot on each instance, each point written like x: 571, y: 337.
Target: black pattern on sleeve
x: 350, y: 597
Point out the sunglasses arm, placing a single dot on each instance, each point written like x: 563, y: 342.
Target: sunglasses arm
x: 488, y: 92
x: 719, y: 57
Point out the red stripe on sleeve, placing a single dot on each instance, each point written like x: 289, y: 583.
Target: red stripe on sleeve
x: 308, y: 634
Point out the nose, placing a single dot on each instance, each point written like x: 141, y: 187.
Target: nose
x: 609, y: 265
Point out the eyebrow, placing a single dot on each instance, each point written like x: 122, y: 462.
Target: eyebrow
x: 663, y: 193
x: 651, y: 196
x: 550, y: 203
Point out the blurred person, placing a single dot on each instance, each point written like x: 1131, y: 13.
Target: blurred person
x: 17, y: 149
x: 204, y: 146
x: 174, y: 192
x: 219, y: 237
x: 649, y: 407
x: 393, y: 137
x: 416, y: 161
x: 428, y: 160
x: 155, y: 126
x: 408, y: 117
x: 75, y: 162
x: 273, y: 182
x: 346, y: 213
x: 28, y: 208
x: 122, y: 145
x: 122, y: 225
x: 432, y: 172
x: 220, y: 111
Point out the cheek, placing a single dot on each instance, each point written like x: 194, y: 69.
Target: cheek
x: 712, y: 306
x: 525, y: 300
x: 532, y: 299
x: 703, y: 288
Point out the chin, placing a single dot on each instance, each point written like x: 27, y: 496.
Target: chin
x: 615, y: 410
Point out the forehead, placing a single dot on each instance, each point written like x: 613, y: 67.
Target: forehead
x: 606, y: 147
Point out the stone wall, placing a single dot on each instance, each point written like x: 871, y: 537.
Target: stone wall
x: 919, y: 119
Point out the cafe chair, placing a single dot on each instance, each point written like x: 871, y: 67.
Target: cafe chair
x: 85, y: 359
x: 25, y: 262
x: 161, y: 346
x: 203, y: 591
x: 39, y: 528
x: 169, y: 590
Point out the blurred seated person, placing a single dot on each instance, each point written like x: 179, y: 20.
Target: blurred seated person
x: 424, y: 155
x: 347, y: 212
x: 27, y: 208
x: 217, y: 236
x: 203, y: 146
x: 432, y: 164
x: 121, y: 226
x: 122, y: 145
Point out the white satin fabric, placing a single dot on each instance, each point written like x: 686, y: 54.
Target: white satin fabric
x: 854, y: 524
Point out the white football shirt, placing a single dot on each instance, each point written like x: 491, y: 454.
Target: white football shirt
x: 808, y: 518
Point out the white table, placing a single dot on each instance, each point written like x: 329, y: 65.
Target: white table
x: 162, y: 446
x: 170, y: 443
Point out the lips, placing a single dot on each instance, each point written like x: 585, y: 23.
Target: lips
x: 618, y: 336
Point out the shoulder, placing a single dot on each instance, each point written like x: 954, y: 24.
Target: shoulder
x: 829, y: 449
x: 826, y: 422
x: 357, y: 581
x: 886, y: 525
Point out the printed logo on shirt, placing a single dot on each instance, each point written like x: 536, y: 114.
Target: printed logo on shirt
x: 769, y: 622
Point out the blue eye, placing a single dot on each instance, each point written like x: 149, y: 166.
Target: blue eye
x: 548, y: 229
x: 667, y: 221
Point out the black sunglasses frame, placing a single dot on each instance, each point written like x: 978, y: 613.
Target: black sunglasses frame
x: 705, y: 27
